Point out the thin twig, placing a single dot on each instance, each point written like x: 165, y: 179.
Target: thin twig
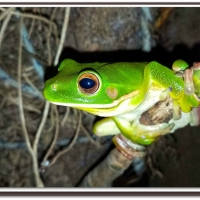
x: 55, y: 135
x: 39, y: 182
x: 66, y: 116
x: 49, y: 37
x: 22, y: 144
x: 26, y: 107
x: 60, y: 47
x: 31, y: 29
x: 29, y: 48
x: 5, y: 23
x: 6, y: 79
x: 71, y: 144
x: 32, y: 85
x: 90, y: 137
x: 21, y: 111
x: 5, y: 13
x: 39, y: 131
x: 29, y: 15
x: 52, y: 122
x: 63, y: 35
x: 3, y: 101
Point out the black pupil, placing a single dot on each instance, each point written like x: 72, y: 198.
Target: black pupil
x: 87, y: 83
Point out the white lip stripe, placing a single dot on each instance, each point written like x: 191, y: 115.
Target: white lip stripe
x: 87, y: 105
x: 111, y: 105
x: 124, y: 107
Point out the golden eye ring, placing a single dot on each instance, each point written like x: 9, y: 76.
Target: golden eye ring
x: 88, y: 83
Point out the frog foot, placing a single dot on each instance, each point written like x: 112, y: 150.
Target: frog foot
x: 188, y: 78
x: 188, y: 99
x: 195, y: 117
x: 146, y: 134
x: 176, y: 110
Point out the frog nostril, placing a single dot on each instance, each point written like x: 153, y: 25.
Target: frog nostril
x: 54, y: 87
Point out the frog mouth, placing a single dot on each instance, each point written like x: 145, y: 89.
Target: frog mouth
x: 101, y: 106
x: 123, y: 105
x: 119, y: 106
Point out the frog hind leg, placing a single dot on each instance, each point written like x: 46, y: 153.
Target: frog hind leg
x: 142, y: 134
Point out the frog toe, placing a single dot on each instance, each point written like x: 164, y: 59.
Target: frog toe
x: 188, y: 79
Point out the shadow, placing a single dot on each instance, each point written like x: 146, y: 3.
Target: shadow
x: 158, y: 54
x: 115, y: 56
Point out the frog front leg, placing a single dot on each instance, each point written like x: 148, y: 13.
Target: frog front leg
x: 159, y: 76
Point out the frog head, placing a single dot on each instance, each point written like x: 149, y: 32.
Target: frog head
x: 103, y: 89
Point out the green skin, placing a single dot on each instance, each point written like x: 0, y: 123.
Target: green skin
x: 122, y: 89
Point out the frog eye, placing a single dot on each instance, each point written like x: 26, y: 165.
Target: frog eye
x: 88, y: 83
